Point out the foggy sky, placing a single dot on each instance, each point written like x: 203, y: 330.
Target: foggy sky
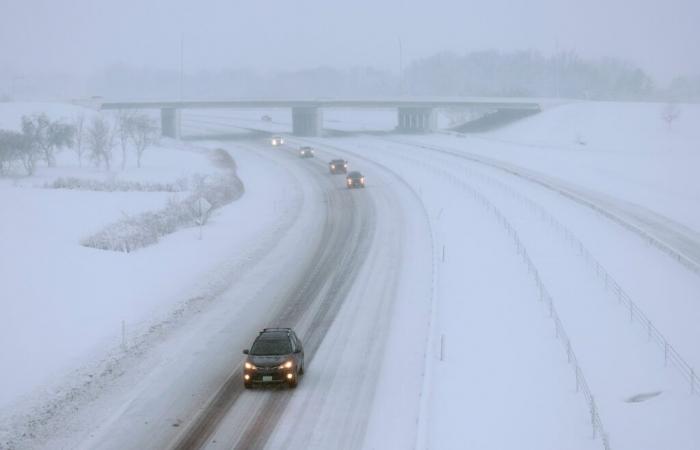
x: 80, y: 37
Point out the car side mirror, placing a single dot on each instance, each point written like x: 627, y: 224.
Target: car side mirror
x: 246, y: 351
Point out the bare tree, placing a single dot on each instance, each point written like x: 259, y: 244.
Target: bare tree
x: 11, y: 146
x: 47, y: 135
x: 34, y: 129
x: 79, y: 125
x: 125, y: 123
x: 100, y: 140
x: 144, y: 132
x: 59, y: 135
x: 32, y: 134
x: 670, y: 113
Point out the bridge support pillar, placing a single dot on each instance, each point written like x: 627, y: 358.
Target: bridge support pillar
x: 307, y: 121
x: 417, y: 120
x: 170, y: 123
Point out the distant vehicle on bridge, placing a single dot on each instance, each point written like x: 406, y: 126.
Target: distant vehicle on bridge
x: 277, y: 140
x: 355, y: 180
x: 266, y: 118
x: 306, y: 152
x: 338, y: 166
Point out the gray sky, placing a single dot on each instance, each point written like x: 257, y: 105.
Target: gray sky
x: 81, y: 36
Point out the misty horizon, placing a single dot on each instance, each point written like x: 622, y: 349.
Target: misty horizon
x: 72, y: 43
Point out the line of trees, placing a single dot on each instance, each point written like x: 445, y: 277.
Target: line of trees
x: 475, y: 73
x: 41, y: 138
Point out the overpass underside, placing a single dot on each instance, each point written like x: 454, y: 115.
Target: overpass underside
x: 308, y: 121
x: 307, y: 117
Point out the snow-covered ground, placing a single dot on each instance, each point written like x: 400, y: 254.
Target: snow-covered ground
x: 444, y: 339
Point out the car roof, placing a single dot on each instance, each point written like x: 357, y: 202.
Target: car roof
x: 354, y: 173
x: 337, y: 160
x: 274, y: 335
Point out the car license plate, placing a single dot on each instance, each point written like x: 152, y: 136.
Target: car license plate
x: 267, y: 377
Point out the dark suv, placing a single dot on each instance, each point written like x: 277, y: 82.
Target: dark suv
x: 355, y: 180
x: 276, y: 357
x: 338, y: 166
x: 306, y: 152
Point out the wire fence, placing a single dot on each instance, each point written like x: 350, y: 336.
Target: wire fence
x: 671, y: 356
x: 597, y: 427
x: 662, y: 245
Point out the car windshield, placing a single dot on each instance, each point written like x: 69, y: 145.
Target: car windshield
x: 271, y: 347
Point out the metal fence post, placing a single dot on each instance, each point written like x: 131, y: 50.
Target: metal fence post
x: 631, y: 312
x: 593, y: 421
x: 124, y: 335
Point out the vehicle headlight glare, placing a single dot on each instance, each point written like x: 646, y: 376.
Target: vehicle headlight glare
x: 249, y: 366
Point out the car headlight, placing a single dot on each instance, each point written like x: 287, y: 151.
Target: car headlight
x: 249, y: 366
x: 287, y: 365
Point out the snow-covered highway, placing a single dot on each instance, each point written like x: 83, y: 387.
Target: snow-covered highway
x: 476, y: 294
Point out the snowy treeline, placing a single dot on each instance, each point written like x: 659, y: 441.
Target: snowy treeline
x: 527, y: 73
x: 486, y: 73
x: 40, y: 138
x: 132, y: 233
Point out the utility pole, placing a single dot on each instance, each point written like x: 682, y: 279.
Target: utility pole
x: 182, y: 63
x: 400, y: 68
x: 557, y: 80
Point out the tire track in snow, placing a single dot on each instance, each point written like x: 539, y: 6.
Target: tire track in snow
x: 336, y: 261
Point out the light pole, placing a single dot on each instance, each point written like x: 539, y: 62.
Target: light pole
x: 182, y: 61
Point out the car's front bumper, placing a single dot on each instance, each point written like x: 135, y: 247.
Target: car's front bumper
x: 268, y: 375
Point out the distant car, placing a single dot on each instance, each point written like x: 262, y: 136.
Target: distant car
x: 276, y: 357
x: 355, y: 180
x: 266, y: 118
x: 277, y: 140
x: 306, y: 152
x: 338, y: 166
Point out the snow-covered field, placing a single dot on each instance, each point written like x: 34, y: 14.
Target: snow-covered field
x: 483, y: 312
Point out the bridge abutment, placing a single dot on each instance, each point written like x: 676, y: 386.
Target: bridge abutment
x: 417, y: 120
x: 307, y: 121
x: 170, y: 123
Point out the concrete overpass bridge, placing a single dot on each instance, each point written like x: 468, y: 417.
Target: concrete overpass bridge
x: 414, y: 114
